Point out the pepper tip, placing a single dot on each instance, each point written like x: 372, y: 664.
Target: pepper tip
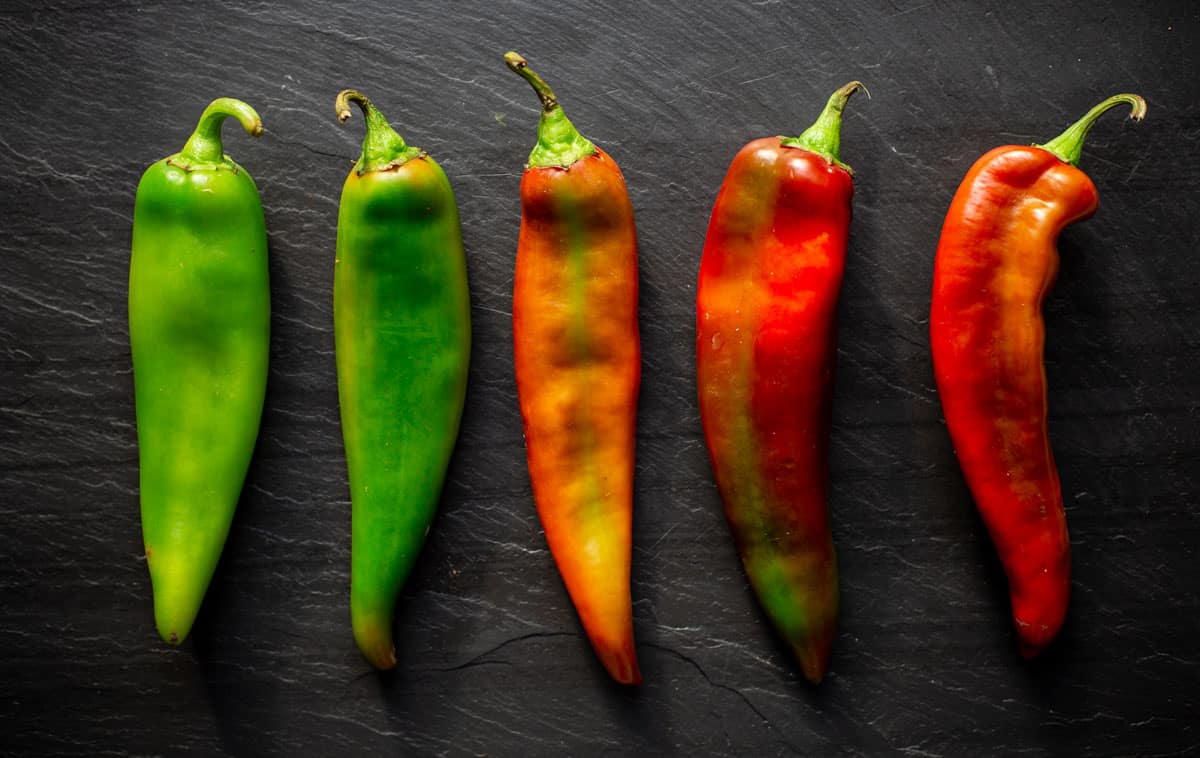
x: 632, y: 676
x: 1029, y: 651
x: 620, y: 663
x: 375, y: 643
x: 813, y: 656
x: 382, y: 659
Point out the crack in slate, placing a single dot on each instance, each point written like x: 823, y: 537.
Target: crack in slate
x: 708, y: 679
x: 477, y: 659
x: 309, y: 148
x: 720, y: 686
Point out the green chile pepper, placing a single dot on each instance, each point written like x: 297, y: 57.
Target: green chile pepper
x: 199, y: 331
x: 402, y: 328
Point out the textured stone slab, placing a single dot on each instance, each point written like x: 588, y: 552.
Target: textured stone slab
x: 492, y: 659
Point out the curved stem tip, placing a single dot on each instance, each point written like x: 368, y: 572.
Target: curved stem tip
x: 520, y: 66
x: 1068, y: 146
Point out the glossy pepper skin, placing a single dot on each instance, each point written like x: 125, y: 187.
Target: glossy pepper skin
x: 765, y: 350
x: 578, y: 364
x: 402, y: 328
x: 996, y: 261
x: 199, y: 331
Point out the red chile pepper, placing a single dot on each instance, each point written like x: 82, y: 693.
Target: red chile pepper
x: 578, y: 365
x: 765, y: 348
x: 995, y: 263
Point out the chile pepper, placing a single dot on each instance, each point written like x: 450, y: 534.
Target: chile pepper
x: 578, y: 363
x: 402, y: 329
x: 996, y: 261
x: 199, y: 332
x: 765, y: 351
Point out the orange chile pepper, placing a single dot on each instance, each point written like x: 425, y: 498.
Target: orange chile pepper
x: 996, y: 261
x: 765, y: 351
x: 578, y: 365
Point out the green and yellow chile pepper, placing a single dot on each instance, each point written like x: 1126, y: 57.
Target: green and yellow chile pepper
x: 199, y: 331
x: 402, y: 325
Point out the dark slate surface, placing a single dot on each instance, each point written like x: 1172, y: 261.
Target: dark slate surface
x: 493, y: 660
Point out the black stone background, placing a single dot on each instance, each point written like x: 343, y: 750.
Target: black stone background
x: 492, y: 658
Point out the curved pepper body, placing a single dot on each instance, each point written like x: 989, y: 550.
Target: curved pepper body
x: 578, y: 365
x: 995, y: 263
x: 402, y: 326
x: 199, y: 328
x: 996, y: 260
x: 766, y: 346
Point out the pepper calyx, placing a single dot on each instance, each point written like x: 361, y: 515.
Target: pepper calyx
x: 203, y: 150
x: 559, y: 145
x: 824, y: 137
x: 383, y: 148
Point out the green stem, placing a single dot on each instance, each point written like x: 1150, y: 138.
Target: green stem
x: 204, y: 146
x: 383, y: 148
x: 559, y: 143
x: 1068, y: 146
x: 824, y: 137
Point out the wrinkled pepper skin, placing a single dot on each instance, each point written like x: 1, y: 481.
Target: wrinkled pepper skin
x: 996, y: 261
x: 199, y: 330
x: 766, y: 305
x: 402, y: 329
x: 578, y: 366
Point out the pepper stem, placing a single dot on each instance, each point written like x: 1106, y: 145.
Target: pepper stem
x: 824, y: 137
x: 1068, y: 146
x: 559, y: 143
x: 383, y: 148
x: 521, y: 67
x: 204, y: 146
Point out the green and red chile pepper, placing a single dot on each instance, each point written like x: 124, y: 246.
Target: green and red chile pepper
x: 765, y: 348
x: 199, y: 332
x: 995, y: 263
x: 402, y: 327
x: 578, y: 365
